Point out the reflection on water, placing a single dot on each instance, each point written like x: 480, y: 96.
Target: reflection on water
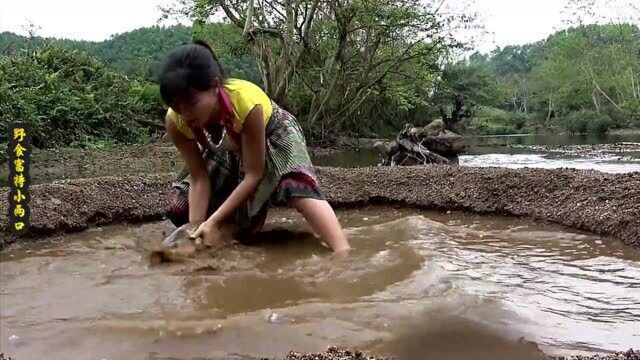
x: 93, y: 295
x: 551, y: 139
x: 610, y: 164
x: 518, y: 151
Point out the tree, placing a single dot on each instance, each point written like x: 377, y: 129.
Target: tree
x: 463, y: 87
x: 512, y: 64
x: 582, y: 12
x: 335, y: 61
x: 603, y: 79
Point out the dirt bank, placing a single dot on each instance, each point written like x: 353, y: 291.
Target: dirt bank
x: 606, y: 204
x: 595, y: 150
x: 624, y: 132
x: 341, y: 354
x: 73, y: 163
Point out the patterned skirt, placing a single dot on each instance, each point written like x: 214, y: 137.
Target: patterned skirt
x: 288, y: 174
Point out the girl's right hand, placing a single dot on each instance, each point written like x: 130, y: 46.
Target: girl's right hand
x: 209, y: 231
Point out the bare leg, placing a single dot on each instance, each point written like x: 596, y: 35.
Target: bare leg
x: 323, y: 221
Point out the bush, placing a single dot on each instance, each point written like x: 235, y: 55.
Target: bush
x: 600, y: 125
x: 71, y: 99
x: 586, y: 121
x: 631, y: 113
x: 492, y: 121
x: 575, y: 124
x: 145, y: 98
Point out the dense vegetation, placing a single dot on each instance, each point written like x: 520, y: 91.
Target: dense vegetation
x: 355, y: 68
x: 138, y: 52
x: 69, y: 99
x: 584, y: 79
x: 78, y: 93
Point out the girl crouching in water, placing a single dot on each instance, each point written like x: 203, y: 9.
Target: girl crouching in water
x: 242, y: 152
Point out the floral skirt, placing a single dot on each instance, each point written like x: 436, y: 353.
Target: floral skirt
x: 288, y: 174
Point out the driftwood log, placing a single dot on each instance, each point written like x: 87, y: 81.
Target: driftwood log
x: 432, y: 144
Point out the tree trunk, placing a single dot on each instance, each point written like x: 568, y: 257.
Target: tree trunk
x: 634, y: 91
x: 277, y: 71
x: 594, y: 97
x: 431, y: 144
x: 606, y: 96
x: 247, y: 23
x: 549, y: 111
x: 410, y: 153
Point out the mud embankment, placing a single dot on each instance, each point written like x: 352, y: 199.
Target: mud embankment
x: 341, y: 354
x: 605, y: 204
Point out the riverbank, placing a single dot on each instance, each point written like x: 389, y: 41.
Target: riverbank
x: 624, y: 132
x: 340, y: 354
x: 601, y: 203
x: 334, y: 353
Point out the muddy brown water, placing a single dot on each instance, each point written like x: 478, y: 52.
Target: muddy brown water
x: 455, y: 285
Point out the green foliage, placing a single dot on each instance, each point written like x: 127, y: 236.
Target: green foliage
x: 365, y: 69
x: 563, y: 81
x: 493, y: 121
x: 69, y: 98
x: 145, y: 97
x: 70, y: 94
x: 139, y: 52
x: 631, y: 113
x: 345, y: 68
x: 466, y: 86
x: 586, y: 121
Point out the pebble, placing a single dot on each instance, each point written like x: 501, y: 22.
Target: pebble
x: 274, y: 317
x: 333, y: 353
x: 15, y: 339
x: 624, y: 355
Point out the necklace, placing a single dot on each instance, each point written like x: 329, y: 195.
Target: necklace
x: 210, y: 141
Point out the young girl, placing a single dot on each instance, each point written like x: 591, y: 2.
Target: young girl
x: 242, y: 152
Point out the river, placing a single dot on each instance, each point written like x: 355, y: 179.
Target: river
x: 519, y: 151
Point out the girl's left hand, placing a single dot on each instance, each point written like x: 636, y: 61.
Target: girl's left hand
x: 209, y: 231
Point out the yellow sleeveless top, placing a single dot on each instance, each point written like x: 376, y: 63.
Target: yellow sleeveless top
x: 244, y: 96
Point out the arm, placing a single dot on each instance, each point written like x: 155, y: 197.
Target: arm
x: 253, y: 159
x: 199, y: 189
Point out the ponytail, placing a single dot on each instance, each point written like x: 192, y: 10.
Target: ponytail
x: 223, y: 73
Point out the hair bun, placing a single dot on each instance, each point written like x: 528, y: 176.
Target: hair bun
x: 205, y: 44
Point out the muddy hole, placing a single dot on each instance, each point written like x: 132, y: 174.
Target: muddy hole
x: 451, y: 285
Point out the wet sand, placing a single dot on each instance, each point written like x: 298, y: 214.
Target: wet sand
x: 342, y: 354
x: 334, y: 353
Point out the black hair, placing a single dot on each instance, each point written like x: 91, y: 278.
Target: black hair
x: 189, y: 67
